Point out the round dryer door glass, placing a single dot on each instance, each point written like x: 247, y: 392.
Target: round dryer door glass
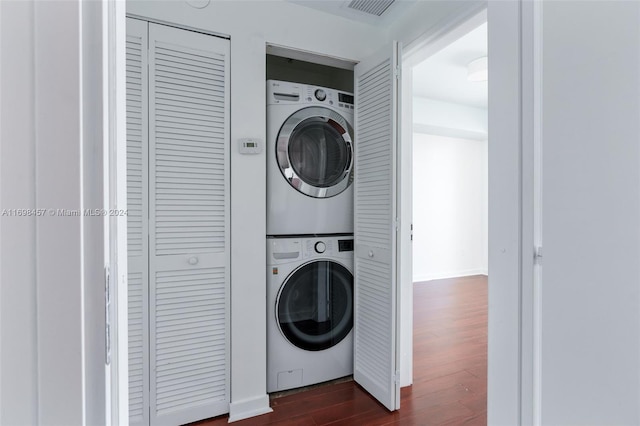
x: 314, y: 152
x: 315, y: 305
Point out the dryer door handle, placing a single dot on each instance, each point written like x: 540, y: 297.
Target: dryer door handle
x: 349, y: 158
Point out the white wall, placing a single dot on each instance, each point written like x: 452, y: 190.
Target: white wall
x: 570, y: 341
x: 449, y: 207
x: 18, y: 345
x: 251, y: 25
x: 590, y: 287
x: 442, y: 118
x: 51, y: 267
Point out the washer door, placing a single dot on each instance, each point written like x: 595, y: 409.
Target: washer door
x: 314, y: 308
x: 315, y: 152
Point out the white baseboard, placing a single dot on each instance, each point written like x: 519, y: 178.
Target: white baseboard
x: 449, y: 274
x: 240, y: 410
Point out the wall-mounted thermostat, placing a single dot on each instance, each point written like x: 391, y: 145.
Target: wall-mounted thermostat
x: 250, y: 146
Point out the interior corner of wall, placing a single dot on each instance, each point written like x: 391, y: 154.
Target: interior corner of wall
x: 243, y: 409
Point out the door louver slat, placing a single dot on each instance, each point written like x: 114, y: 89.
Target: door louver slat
x: 189, y: 220
x: 136, y: 376
x: 174, y: 367
x: 374, y: 232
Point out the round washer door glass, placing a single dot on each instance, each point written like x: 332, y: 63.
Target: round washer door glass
x: 315, y: 306
x: 314, y: 152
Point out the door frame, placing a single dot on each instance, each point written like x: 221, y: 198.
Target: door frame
x: 513, y: 387
x: 115, y: 193
x: 415, y: 52
x: 513, y: 34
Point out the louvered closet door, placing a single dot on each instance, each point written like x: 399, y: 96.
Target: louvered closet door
x: 189, y: 225
x: 137, y: 224
x: 376, y: 290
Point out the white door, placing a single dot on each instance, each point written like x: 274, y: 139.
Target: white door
x: 188, y: 225
x: 376, y: 226
x: 178, y: 224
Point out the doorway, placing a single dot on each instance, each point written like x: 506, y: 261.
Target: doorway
x: 512, y: 307
x: 448, y: 158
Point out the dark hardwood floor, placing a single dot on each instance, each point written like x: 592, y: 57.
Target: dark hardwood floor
x: 449, y: 370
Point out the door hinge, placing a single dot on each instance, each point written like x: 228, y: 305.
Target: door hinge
x: 396, y: 224
x: 396, y: 377
x: 396, y: 72
x: 107, y: 315
x: 537, y: 255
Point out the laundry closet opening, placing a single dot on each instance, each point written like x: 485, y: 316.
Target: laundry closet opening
x: 309, y: 232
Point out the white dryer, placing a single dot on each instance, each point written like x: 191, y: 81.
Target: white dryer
x: 309, y: 159
x: 309, y: 310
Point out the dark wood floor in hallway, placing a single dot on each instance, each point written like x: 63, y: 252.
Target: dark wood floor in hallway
x: 449, y: 375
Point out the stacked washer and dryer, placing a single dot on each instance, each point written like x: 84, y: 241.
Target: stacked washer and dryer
x: 309, y: 235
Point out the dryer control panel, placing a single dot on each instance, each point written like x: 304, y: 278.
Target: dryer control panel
x: 284, y: 92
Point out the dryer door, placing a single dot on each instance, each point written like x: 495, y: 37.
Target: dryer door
x: 314, y: 308
x: 315, y: 152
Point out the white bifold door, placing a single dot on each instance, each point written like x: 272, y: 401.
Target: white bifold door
x: 178, y: 224
x: 376, y: 226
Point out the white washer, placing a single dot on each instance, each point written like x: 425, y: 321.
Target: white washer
x: 309, y: 159
x: 309, y: 310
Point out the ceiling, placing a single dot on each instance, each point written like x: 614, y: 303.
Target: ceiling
x: 374, y: 12
x: 443, y: 76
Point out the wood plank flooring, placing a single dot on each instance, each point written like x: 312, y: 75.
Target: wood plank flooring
x: 449, y: 370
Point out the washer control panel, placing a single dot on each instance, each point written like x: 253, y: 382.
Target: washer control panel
x: 317, y: 247
x: 281, y: 251
x: 327, y: 246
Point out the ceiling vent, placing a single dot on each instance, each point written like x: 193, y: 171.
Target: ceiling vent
x: 372, y: 7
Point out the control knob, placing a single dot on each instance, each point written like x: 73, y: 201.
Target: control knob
x: 320, y: 247
x: 321, y: 95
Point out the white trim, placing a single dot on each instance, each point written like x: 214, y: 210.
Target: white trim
x: 448, y: 31
x: 2, y: 411
x: 537, y: 211
x: 530, y: 97
x: 116, y: 182
x: 450, y: 132
x: 397, y: 178
x: 509, y: 399
x: 526, y: 211
x: 246, y: 408
x: 174, y: 25
x: 83, y: 223
x: 449, y: 274
x: 405, y: 236
x: 106, y: 129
